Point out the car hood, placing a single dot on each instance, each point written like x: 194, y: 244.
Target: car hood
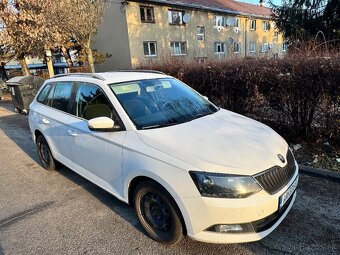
x: 223, y: 142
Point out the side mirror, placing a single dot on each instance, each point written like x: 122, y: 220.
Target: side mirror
x: 206, y: 98
x: 103, y: 124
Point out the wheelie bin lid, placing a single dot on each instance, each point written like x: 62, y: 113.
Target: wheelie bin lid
x: 25, y: 80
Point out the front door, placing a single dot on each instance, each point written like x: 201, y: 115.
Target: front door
x: 97, y: 155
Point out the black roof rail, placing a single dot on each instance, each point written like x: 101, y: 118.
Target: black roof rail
x: 90, y: 75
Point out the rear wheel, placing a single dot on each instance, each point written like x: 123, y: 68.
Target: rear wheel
x: 45, y: 154
x: 158, y: 213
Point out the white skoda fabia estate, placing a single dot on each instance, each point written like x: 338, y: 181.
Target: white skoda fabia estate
x: 187, y: 166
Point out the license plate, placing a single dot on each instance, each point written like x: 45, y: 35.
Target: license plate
x: 289, y: 192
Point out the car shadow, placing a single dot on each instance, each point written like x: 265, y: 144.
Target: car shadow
x: 15, y: 126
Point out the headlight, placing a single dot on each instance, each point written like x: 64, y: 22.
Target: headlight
x: 223, y: 185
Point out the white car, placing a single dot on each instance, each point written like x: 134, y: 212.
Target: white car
x: 187, y: 166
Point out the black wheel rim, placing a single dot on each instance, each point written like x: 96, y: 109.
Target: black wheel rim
x: 156, y: 212
x: 44, y: 153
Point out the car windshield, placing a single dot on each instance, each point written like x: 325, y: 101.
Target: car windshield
x: 158, y: 103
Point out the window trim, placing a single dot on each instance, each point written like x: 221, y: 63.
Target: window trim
x: 265, y: 27
x: 200, y: 34
x: 153, y: 21
x: 252, y: 28
x: 237, y: 22
x: 151, y: 55
x: 181, y: 54
x: 223, y: 21
x: 221, y: 52
x: 267, y: 48
x: 174, y: 24
x: 239, y: 47
x: 250, y: 50
x: 284, y: 49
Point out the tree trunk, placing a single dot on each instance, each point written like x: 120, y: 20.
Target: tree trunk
x: 49, y: 64
x: 66, y: 56
x: 24, y: 67
x: 89, y: 56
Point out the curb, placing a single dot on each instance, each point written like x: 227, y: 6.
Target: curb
x: 323, y: 173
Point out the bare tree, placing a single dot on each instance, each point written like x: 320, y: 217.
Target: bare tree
x: 81, y: 20
x: 30, y: 28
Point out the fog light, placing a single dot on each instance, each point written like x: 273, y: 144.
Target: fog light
x: 228, y: 228
x: 232, y: 228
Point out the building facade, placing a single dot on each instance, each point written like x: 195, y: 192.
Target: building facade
x: 141, y: 32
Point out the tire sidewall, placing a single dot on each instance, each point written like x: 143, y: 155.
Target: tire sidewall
x: 176, y: 232
x: 51, y: 166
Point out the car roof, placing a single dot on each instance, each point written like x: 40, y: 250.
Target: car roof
x: 113, y: 77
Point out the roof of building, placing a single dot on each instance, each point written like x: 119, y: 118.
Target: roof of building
x: 227, y: 6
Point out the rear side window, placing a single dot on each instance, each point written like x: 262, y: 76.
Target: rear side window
x: 61, y: 96
x: 42, y: 97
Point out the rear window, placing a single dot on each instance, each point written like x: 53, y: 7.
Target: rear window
x: 42, y: 97
x: 62, y: 96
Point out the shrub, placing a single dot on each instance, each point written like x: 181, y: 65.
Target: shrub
x: 298, y: 96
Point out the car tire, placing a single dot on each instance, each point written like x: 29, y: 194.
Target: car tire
x: 45, y: 154
x: 158, y: 213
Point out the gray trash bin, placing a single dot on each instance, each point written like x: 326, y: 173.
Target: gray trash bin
x: 2, y: 86
x: 23, y: 90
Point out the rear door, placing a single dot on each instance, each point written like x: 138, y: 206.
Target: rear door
x: 52, y: 113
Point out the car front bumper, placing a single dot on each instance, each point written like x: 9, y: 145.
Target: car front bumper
x: 260, y: 211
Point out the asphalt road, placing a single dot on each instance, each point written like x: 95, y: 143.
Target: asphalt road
x: 60, y: 212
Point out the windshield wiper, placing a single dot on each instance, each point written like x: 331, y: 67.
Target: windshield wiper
x: 170, y: 122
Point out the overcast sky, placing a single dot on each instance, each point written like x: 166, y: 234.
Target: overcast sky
x: 257, y: 1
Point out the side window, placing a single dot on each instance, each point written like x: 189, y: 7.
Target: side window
x: 91, y: 102
x: 61, y: 96
x: 42, y: 97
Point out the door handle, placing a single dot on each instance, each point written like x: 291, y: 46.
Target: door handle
x: 45, y: 121
x: 71, y: 132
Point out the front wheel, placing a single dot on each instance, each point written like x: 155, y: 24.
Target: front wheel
x: 158, y: 213
x: 45, y: 154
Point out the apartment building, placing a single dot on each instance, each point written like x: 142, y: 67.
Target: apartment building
x: 141, y: 32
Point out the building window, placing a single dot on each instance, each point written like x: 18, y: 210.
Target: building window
x: 147, y: 14
x: 252, y: 47
x: 150, y: 49
x: 237, y: 22
x: 200, y: 34
x: 252, y: 24
x: 178, y: 48
x: 219, y: 47
x: 237, y: 47
x: 220, y: 21
x: 201, y: 60
x: 265, y: 25
x: 175, y: 17
x: 276, y: 36
x: 264, y: 47
x: 284, y: 46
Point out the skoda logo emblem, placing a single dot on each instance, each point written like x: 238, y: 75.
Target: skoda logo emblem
x: 281, y: 158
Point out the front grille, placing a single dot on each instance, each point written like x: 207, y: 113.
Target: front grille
x: 274, y: 178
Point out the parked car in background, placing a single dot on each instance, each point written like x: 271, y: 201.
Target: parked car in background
x: 187, y: 166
